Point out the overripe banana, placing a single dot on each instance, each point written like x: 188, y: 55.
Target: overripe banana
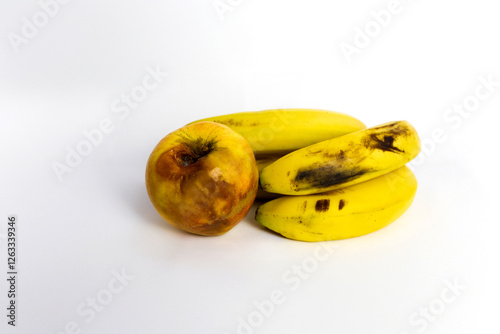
x: 344, y: 213
x: 342, y: 161
x: 285, y: 130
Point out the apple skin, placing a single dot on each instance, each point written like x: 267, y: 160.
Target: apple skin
x: 202, y: 178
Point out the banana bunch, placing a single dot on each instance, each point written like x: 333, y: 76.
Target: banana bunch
x: 326, y: 176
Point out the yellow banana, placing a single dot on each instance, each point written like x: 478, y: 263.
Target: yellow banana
x: 342, y: 161
x: 344, y: 213
x: 264, y: 161
x: 286, y: 130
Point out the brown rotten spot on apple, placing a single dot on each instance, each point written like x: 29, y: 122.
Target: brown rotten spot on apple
x: 207, y: 193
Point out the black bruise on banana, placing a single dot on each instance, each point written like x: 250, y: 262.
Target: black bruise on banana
x: 325, y: 176
x: 386, y: 144
x: 341, y: 204
x: 230, y: 122
x: 322, y: 205
x: 235, y: 123
x: 384, y: 139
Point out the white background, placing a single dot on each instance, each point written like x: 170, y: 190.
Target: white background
x: 75, y: 234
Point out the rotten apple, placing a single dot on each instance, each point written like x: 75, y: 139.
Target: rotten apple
x: 202, y: 178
